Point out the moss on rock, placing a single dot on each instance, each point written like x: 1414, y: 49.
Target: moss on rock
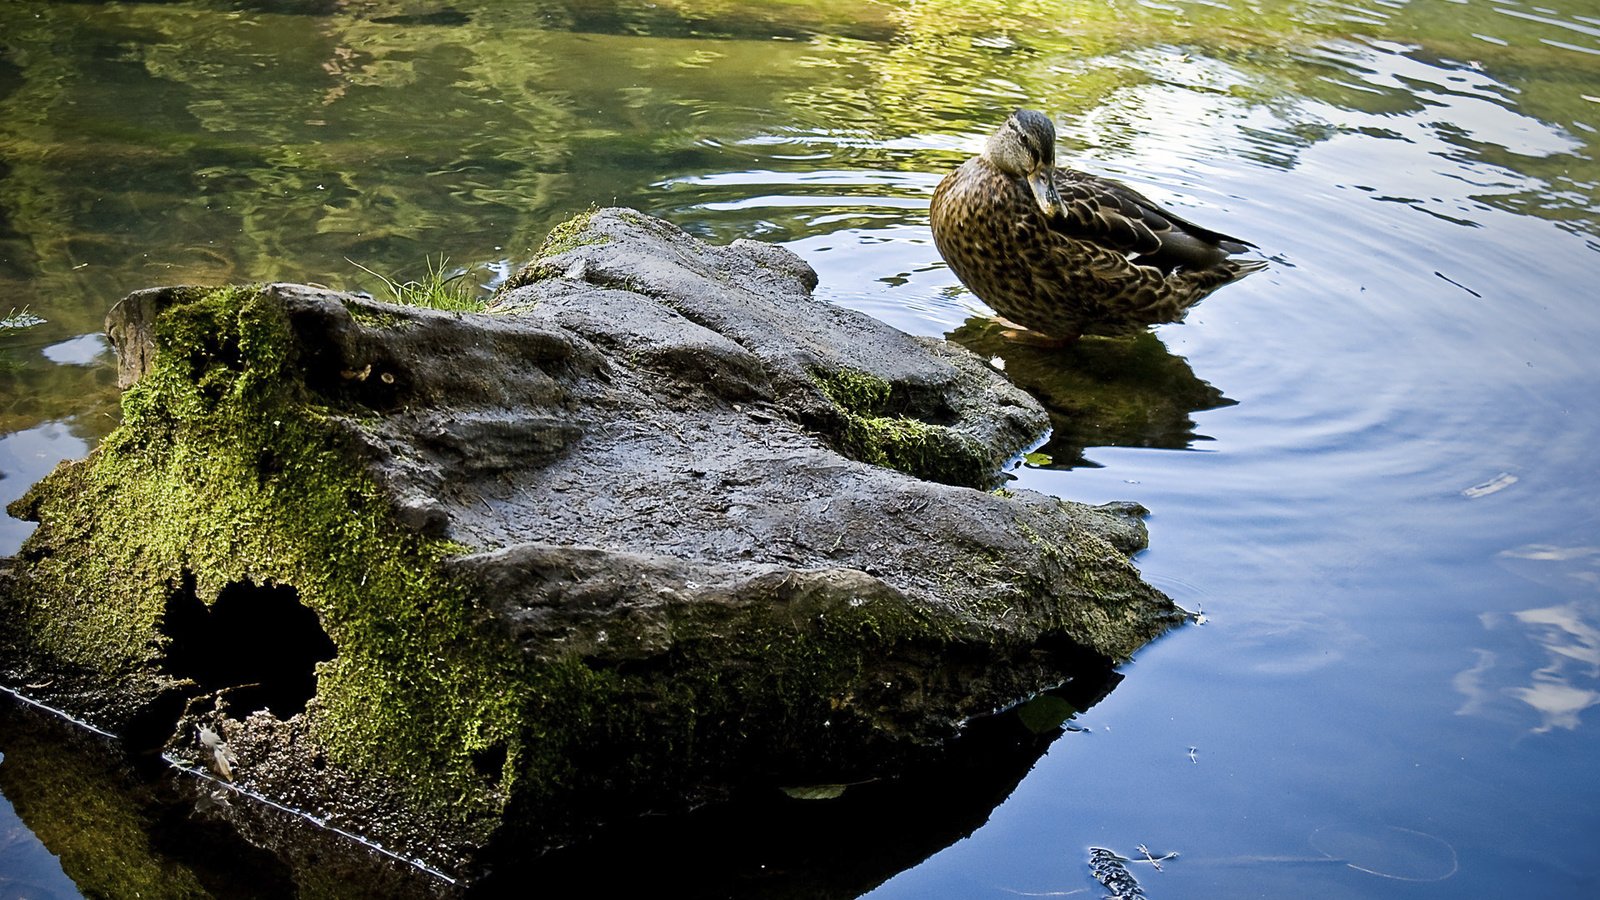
x: 871, y: 433
x: 568, y: 235
x: 228, y: 469
x: 223, y: 471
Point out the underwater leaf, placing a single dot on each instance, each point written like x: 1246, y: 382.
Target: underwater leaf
x: 1045, y: 713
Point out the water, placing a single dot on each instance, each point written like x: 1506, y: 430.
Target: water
x: 1371, y: 466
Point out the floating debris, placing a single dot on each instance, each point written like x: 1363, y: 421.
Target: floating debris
x: 1498, y: 483
x: 222, y: 758
x: 1108, y: 869
x: 19, y: 319
x: 1390, y: 851
x: 1151, y: 858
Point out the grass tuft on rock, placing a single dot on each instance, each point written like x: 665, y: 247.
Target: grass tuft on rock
x: 440, y: 287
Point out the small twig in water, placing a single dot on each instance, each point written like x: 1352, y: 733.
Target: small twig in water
x: 1152, y: 859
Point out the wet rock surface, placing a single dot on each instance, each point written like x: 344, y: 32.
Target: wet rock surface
x: 656, y: 526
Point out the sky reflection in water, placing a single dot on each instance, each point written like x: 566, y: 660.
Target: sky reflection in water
x: 1388, y: 517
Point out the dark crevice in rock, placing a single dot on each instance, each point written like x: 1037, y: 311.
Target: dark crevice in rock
x: 257, y: 643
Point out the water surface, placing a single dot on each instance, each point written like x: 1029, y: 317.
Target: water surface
x: 1370, y: 466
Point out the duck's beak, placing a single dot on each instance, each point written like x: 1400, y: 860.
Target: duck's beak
x: 1043, y: 184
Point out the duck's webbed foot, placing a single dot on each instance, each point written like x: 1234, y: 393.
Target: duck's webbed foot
x: 1022, y: 335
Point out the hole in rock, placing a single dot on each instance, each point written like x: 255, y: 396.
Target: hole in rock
x: 489, y: 761
x: 259, y: 641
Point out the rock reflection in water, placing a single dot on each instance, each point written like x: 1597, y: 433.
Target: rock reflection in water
x: 1100, y: 392
x: 770, y: 843
x: 126, y: 826
x: 122, y: 825
x: 92, y: 808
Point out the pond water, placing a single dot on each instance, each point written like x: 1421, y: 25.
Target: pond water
x: 1371, y: 466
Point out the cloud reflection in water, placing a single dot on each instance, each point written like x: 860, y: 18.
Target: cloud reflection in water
x: 1565, y: 680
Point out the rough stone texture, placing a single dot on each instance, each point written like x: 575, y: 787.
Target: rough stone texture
x: 622, y: 541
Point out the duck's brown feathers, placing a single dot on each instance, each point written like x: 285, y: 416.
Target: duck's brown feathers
x: 1110, y: 262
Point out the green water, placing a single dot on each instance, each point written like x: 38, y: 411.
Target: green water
x: 1371, y: 465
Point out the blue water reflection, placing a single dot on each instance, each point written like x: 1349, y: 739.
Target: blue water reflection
x: 27, y: 867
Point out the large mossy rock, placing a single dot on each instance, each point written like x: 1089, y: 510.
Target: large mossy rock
x: 655, y: 524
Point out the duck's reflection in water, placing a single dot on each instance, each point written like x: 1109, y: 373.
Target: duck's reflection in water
x: 1100, y: 392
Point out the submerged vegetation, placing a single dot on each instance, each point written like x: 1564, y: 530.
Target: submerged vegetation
x: 18, y: 319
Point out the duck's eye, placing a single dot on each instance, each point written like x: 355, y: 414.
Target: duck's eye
x: 1024, y: 137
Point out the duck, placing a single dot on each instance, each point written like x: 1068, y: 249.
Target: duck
x: 1064, y: 253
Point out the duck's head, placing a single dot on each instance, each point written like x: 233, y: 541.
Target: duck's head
x: 1025, y: 147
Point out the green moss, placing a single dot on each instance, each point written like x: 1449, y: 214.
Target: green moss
x: 857, y: 392
x: 871, y: 433
x: 377, y: 318
x: 569, y: 235
x: 572, y: 234
x: 788, y: 690
x: 224, y: 470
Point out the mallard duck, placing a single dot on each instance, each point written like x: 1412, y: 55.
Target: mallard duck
x: 1064, y: 253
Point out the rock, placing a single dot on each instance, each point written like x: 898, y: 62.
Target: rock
x: 654, y: 526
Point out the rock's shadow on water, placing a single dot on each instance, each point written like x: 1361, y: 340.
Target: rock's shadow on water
x: 1100, y: 392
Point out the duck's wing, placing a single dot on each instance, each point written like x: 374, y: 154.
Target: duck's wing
x: 1114, y: 215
